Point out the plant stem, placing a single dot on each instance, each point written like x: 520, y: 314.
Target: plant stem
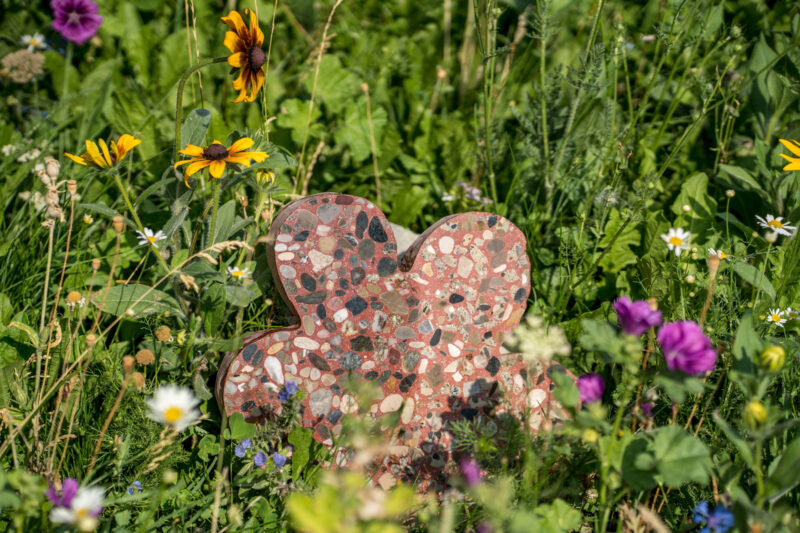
x: 179, y: 102
x: 67, y: 64
x: 44, y: 302
x: 214, y: 205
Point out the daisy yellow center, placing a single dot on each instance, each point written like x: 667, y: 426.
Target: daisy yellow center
x: 151, y: 238
x: 35, y: 42
x: 675, y: 241
x: 215, y: 152
x: 237, y: 273
x: 792, y: 315
x: 775, y: 318
x: 173, y: 414
x: 81, y: 513
x: 723, y: 255
x: 775, y: 224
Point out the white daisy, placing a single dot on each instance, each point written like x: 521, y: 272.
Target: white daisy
x: 676, y: 240
x: 148, y: 237
x: 718, y: 253
x: 238, y: 273
x: 775, y: 316
x: 776, y: 224
x: 87, y: 219
x: 174, y: 406
x: 791, y: 314
x: 8, y: 149
x: 34, y: 42
x: 86, y: 505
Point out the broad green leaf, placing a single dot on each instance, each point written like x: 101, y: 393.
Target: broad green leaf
x: 226, y: 216
x: 242, y: 294
x: 747, y: 345
x: 557, y: 517
x: 141, y: 299
x: 754, y: 277
x: 294, y: 117
x: 239, y: 429
x: 208, y: 447
x: 566, y: 391
x: 300, y: 438
x: 743, y: 177
x: 784, y: 475
x: 355, y: 132
x: 680, y: 458
x: 741, y: 444
x: 638, y: 464
x: 694, y: 193
x: 212, y: 308
x: 195, y: 126
x: 620, y: 234
x: 336, y: 86
x: 200, y: 388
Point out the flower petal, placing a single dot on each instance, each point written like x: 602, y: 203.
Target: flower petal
x: 105, y: 152
x: 238, y: 159
x: 237, y: 60
x: 192, y: 150
x: 792, y: 145
x: 235, y: 22
x: 183, y: 162
x: 76, y: 159
x: 195, y: 166
x: 234, y: 43
x: 255, y: 156
x: 242, y: 144
x: 256, y: 35
x: 216, y: 168
x: 94, y: 153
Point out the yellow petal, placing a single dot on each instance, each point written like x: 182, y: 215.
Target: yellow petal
x: 195, y: 166
x: 76, y: 159
x: 94, y: 153
x: 233, y: 43
x: 792, y: 145
x: 255, y: 32
x: 242, y: 96
x: 239, y: 83
x: 234, y: 22
x: 256, y: 156
x: 237, y: 59
x: 242, y: 144
x: 216, y: 168
x: 106, y: 153
x: 255, y: 86
x: 238, y: 159
x: 192, y: 151
x: 179, y: 163
x: 794, y: 165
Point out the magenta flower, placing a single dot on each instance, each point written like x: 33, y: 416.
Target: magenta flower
x: 647, y: 409
x: 686, y: 348
x: 68, y: 491
x: 636, y: 317
x: 471, y: 471
x: 591, y: 387
x: 76, y: 20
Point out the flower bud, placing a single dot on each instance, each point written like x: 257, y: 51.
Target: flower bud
x: 772, y: 358
x: 52, y: 167
x: 170, y: 477
x: 163, y: 333
x: 118, y: 224
x: 771, y: 237
x: 73, y: 297
x: 755, y: 414
x: 138, y: 380
x: 730, y: 193
x: 145, y: 357
x: 96, y: 264
x: 590, y: 436
x: 686, y: 208
x: 690, y: 279
x: 127, y: 363
x: 91, y: 339
x: 72, y: 187
x: 364, y: 87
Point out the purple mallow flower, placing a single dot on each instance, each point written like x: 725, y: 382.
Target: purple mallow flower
x: 636, y: 317
x: 260, y: 459
x: 68, y: 491
x: 289, y: 390
x: 279, y: 459
x: 591, y: 387
x: 647, y: 409
x: 471, y: 471
x: 686, y: 348
x: 76, y: 20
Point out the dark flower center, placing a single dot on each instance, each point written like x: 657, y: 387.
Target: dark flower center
x: 215, y: 152
x: 257, y: 58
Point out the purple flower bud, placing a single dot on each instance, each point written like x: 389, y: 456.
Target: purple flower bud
x: 260, y: 459
x: 279, y: 459
x: 68, y: 491
x: 636, y: 317
x: 686, y: 348
x: 591, y: 387
x: 471, y: 471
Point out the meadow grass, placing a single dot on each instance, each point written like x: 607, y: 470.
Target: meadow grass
x: 601, y: 129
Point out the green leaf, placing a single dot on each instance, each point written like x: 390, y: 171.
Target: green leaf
x: 566, y: 391
x: 556, y: 517
x: 754, y: 277
x: 212, y: 308
x: 680, y: 458
x: 33, y: 337
x: 784, y: 476
x: 620, y: 239
x: 355, y: 133
x: 747, y: 345
x: 336, y: 86
x: 743, y: 177
x: 241, y: 295
x: 638, y: 464
x: 600, y: 336
x: 226, y: 215
x: 678, y: 385
x: 200, y: 388
x: 300, y: 438
x: 195, y: 127
x: 208, y: 447
x: 239, y: 429
x: 694, y: 193
x: 735, y: 439
x: 140, y: 298
x: 294, y: 117
x: 107, y: 211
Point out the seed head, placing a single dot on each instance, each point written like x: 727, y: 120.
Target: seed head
x: 127, y: 363
x: 73, y: 297
x: 730, y: 193
x: 118, y: 224
x: 95, y: 264
x: 144, y: 357
x: 91, y: 339
x: 72, y: 187
x: 138, y: 380
x: 163, y: 333
x: 52, y: 167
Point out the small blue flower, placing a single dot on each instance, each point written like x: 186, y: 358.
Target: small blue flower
x: 240, y: 450
x: 289, y: 390
x: 279, y: 459
x: 135, y: 487
x: 260, y: 459
x: 246, y: 444
x: 718, y: 521
x: 283, y: 396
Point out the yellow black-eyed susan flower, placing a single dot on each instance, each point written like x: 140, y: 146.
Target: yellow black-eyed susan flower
x: 246, y: 54
x: 105, y: 155
x: 215, y: 155
x: 794, y: 147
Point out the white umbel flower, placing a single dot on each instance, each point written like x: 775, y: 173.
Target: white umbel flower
x: 677, y: 240
x: 34, y: 42
x: 238, y: 273
x: 148, y: 237
x: 776, y: 316
x: 174, y: 406
x: 791, y: 314
x: 776, y: 225
x: 85, y: 507
x: 537, y: 341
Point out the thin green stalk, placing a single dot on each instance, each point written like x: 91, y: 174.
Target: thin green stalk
x: 44, y: 302
x: 543, y: 84
x: 179, y: 102
x: 214, y: 206
x: 67, y: 64
x: 602, y: 498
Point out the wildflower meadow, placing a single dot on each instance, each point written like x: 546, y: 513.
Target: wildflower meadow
x: 557, y: 236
